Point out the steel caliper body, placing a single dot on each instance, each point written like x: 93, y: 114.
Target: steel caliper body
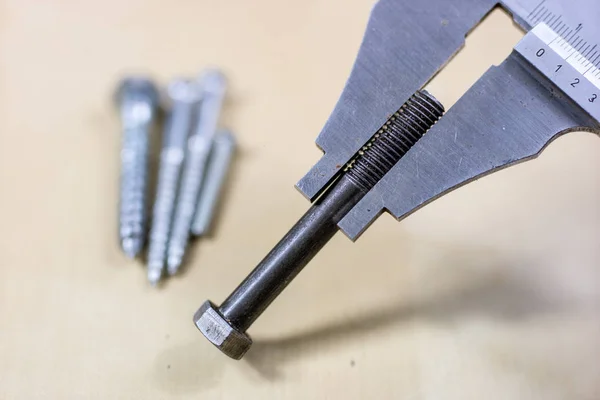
x: 376, y: 156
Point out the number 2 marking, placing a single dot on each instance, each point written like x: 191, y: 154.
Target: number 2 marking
x: 575, y: 82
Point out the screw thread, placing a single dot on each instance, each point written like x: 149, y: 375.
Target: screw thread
x: 393, y: 140
x: 187, y: 199
x: 133, y: 186
x: 184, y: 96
x: 213, y: 85
x: 166, y: 192
x: 137, y: 99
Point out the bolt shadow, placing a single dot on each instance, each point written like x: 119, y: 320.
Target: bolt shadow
x: 493, y: 295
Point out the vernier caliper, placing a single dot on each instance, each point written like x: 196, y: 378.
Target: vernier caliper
x: 377, y: 156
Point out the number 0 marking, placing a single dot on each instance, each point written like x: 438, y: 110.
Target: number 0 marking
x: 540, y: 52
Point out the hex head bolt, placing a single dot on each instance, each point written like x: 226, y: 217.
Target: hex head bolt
x: 137, y: 99
x: 225, y: 326
x: 184, y: 96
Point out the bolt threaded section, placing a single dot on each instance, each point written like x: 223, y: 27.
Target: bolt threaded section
x: 164, y: 205
x: 132, y: 204
x: 187, y: 199
x: 393, y: 140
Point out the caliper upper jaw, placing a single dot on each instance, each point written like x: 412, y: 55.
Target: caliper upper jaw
x: 509, y: 115
x: 406, y: 43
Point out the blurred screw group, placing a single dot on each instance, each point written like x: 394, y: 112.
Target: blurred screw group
x: 194, y: 159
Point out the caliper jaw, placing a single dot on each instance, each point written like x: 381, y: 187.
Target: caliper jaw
x: 406, y: 43
x: 510, y: 115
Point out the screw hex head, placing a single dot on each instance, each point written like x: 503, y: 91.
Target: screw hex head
x: 220, y: 333
x: 137, y: 87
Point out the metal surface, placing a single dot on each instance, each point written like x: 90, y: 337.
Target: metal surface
x: 570, y: 70
x: 216, y: 173
x: 213, y: 85
x: 184, y: 96
x: 219, y: 332
x: 308, y: 236
x: 488, y: 129
x: 405, y: 44
x: 137, y: 99
x: 505, y: 118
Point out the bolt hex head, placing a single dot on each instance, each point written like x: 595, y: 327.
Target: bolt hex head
x: 219, y: 332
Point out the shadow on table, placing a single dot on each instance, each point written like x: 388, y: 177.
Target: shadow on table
x: 492, y: 295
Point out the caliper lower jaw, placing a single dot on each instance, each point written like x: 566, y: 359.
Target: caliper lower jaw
x: 508, y: 116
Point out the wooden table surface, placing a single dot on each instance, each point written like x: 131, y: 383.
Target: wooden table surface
x: 491, y: 292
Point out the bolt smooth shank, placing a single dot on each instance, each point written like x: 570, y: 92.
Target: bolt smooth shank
x: 137, y: 99
x: 184, y: 96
